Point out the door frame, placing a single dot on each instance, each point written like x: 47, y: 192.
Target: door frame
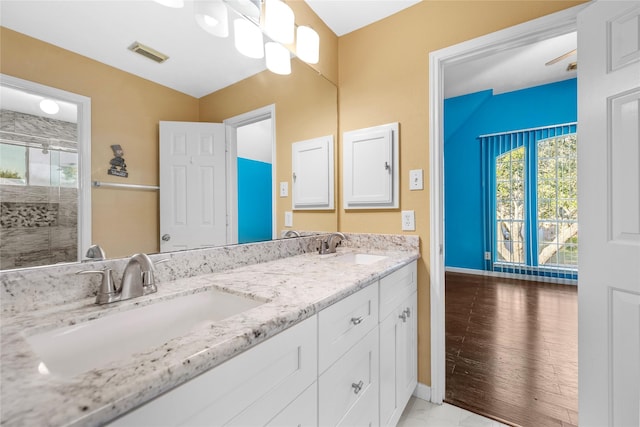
x: 84, y: 149
x: 520, y: 35
x: 231, y: 126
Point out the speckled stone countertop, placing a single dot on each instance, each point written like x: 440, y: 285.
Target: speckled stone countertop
x: 294, y: 288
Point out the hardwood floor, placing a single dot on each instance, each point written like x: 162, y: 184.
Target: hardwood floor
x: 512, y: 349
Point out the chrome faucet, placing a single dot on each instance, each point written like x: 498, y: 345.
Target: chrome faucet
x: 291, y: 233
x: 328, y: 245
x: 137, y: 280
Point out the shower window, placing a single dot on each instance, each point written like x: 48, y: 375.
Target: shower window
x: 47, y: 167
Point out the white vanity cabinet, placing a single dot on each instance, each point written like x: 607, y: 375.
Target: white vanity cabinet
x: 253, y: 388
x: 352, y: 364
x: 398, y: 342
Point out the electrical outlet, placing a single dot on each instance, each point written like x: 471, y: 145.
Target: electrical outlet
x: 487, y: 256
x: 284, y: 189
x: 408, y: 221
x: 415, y: 179
x: 288, y: 219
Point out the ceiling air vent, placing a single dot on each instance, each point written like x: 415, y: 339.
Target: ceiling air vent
x: 148, y: 52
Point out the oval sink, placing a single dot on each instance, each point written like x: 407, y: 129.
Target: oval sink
x: 360, y: 258
x: 74, y: 349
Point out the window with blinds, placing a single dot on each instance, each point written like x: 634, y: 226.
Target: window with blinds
x: 530, y: 201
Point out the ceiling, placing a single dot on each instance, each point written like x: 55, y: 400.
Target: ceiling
x: 345, y: 16
x: 201, y: 63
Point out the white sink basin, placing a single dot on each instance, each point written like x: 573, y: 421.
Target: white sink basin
x: 360, y: 258
x: 89, y: 345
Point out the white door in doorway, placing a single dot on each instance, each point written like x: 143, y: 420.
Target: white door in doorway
x: 609, y: 200
x: 192, y: 185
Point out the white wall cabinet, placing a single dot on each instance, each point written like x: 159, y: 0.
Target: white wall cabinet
x: 353, y: 364
x: 313, y: 171
x: 398, y: 343
x: 371, y: 168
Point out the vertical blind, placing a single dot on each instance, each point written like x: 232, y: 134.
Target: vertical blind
x: 530, y: 202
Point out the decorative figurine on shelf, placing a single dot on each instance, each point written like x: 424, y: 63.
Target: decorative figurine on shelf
x: 118, y: 166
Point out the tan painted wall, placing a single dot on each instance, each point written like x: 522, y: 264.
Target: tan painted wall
x: 306, y: 107
x: 384, y: 77
x: 125, y: 110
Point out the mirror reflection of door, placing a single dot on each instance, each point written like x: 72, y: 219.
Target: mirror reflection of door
x: 193, y: 193
x: 254, y: 162
x: 39, y: 181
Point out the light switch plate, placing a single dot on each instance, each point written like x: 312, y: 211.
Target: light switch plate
x: 416, y: 181
x: 408, y: 221
x: 288, y: 219
x: 284, y: 189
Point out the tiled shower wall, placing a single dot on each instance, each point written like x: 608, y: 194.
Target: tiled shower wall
x: 38, y: 225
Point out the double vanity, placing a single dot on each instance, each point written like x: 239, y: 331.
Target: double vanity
x: 267, y: 333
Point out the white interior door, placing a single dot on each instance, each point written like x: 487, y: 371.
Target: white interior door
x: 192, y: 185
x: 609, y: 200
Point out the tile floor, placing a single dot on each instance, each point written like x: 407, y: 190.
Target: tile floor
x: 420, y: 413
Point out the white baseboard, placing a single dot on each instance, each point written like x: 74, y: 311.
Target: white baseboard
x: 423, y: 392
x: 512, y: 276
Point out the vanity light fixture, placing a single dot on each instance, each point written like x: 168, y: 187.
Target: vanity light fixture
x: 307, y: 44
x: 49, y: 106
x: 212, y: 16
x: 279, y: 21
x: 278, y: 58
x: 248, y: 38
x: 276, y: 20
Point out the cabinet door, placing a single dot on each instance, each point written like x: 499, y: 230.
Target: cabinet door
x: 389, y: 399
x: 398, y: 360
x: 408, y: 351
x: 312, y: 166
x: 370, y: 168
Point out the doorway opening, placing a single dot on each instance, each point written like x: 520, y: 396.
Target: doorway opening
x: 522, y: 35
x: 251, y: 168
x: 45, y: 167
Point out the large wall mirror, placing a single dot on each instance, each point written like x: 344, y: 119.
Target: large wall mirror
x: 128, y: 103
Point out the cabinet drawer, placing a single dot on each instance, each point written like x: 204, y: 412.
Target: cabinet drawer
x: 263, y: 380
x: 396, y: 287
x: 349, y: 383
x: 343, y: 324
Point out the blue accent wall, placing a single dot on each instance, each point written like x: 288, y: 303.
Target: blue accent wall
x: 469, y: 116
x: 254, y: 201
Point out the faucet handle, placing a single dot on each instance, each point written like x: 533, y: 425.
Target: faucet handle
x: 108, y: 292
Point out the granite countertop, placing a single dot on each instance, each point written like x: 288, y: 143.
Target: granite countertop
x: 293, y: 289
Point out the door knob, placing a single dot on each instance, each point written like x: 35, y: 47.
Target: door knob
x: 166, y: 237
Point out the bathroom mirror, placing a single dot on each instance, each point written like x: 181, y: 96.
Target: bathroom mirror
x: 126, y: 110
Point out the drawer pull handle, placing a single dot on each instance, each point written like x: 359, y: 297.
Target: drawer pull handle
x: 357, y: 387
x: 403, y: 316
x: 407, y: 311
x: 356, y: 320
